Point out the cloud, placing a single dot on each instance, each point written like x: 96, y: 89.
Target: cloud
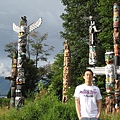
x: 4, y: 70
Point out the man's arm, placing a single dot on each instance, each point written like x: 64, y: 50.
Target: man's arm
x: 99, y: 104
x: 77, y: 105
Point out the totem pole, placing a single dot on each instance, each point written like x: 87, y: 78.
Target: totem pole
x: 116, y: 38
x: 20, y: 80
x: 112, y: 68
x: 12, y: 79
x: 110, y: 73
x: 66, y: 71
x: 92, y: 46
x: 92, y: 42
x: 22, y: 31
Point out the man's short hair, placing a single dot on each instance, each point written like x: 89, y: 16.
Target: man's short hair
x: 89, y: 71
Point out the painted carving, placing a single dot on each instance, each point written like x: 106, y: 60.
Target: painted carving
x: 66, y: 72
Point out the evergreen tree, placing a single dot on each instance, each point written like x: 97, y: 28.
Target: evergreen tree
x: 11, y: 48
x: 56, y: 76
x: 76, y: 31
x: 39, y: 49
x: 31, y: 76
x: 105, y: 10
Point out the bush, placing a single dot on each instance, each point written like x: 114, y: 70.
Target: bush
x: 4, y: 102
x: 48, y: 107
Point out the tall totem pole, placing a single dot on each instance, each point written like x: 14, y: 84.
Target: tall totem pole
x: 66, y: 71
x: 92, y: 42
x: 110, y: 73
x: 116, y: 38
x: 113, y: 62
x: 112, y: 68
x: 93, y: 45
x: 22, y: 31
x: 12, y: 79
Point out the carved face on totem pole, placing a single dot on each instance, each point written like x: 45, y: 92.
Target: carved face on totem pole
x: 109, y: 57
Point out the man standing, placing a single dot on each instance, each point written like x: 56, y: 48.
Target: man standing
x: 88, y: 99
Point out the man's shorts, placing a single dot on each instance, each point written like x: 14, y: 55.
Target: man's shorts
x: 84, y: 118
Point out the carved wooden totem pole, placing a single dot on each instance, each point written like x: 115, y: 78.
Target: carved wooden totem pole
x: 110, y: 72
x: 23, y: 30
x: 92, y: 42
x: 116, y: 38
x: 12, y: 79
x: 112, y: 59
x: 66, y: 71
x: 113, y: 63
x: 92, y: 46
x: 20, y: 80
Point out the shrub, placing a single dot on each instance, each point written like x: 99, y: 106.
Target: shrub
x: 4, y: 102
x: 48, y: 107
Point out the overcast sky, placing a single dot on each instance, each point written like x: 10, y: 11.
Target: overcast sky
x: 12, y: 10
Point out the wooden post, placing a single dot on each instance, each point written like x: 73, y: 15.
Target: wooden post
x: 92, y: 42
x: 109, y: 72
x: 66, y: 71
x: 116, y: 38
x: 20, y: 79
x: 23, y: 30
x: 12, y: 79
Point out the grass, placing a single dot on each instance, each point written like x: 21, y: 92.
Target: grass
x: 5, y: 111
x: 47, y: 108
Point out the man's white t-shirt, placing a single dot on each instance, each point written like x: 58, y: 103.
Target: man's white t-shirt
x: 88, y: 96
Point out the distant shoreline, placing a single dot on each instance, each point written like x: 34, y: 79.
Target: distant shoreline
x: 3, y: 96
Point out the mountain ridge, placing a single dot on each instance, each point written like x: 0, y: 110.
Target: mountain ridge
x: 4, y: 86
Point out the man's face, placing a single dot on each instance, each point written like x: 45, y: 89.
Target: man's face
x: 88, y: 76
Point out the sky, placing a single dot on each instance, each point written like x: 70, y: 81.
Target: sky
x: 12, y: 10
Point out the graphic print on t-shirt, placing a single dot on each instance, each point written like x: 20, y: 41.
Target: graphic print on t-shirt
x: 88, y: 93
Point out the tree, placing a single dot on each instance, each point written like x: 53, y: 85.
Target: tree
x: 39, y: 49
x: 31, y: 76
x: 105, y: 10
x: 76, y: 26
x: 11, y: 48
x: 32, y: 73
x: 76, y: 31
x: 56, y: 76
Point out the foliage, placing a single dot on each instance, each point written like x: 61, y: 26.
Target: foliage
x: 11, y: 48
x: 45, y: 74
x: 4, y: 102
x: 56, y: 75
x: 38, y: 48
x: 76, y: 31
x: 31, y: 76
x: 47, y: 106
x: 105, y: 10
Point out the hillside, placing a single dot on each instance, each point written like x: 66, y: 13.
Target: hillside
x: 4, y: 86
